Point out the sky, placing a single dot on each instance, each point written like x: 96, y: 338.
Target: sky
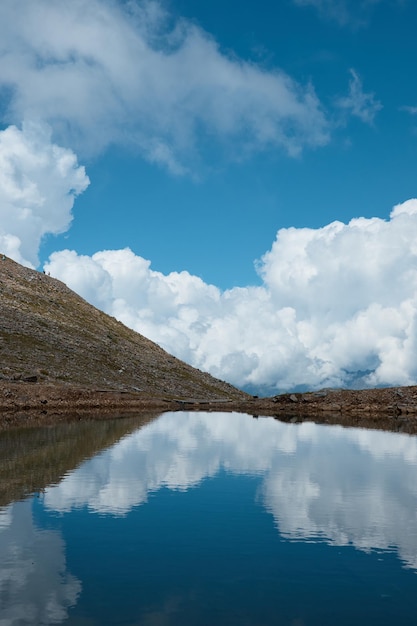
x: 236, y: 181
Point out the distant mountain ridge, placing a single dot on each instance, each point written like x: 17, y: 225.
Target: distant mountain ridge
x: 50, y: 334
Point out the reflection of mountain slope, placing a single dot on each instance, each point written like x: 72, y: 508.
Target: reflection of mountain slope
x: 30, y: 460
x: 320, y: 483
x: 35, y: 586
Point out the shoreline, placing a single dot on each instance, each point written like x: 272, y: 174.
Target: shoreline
x: 29, y: 404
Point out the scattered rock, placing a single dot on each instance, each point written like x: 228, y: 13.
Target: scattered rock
x: 331, y: 407
x: 30, y: 379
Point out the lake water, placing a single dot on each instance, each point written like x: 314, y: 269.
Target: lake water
x: 208, y: 519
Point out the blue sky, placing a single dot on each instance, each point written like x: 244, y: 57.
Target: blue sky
x: 182, y: 164
x: 216, y: 221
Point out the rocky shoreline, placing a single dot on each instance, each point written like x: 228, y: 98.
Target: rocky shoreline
x: 28, y: 403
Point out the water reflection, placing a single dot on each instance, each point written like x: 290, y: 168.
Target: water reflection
x: 35, y: 586
x: 340, y: 486
x: 32, y: 458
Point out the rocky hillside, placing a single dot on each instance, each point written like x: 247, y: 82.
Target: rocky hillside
x: 50, y: 335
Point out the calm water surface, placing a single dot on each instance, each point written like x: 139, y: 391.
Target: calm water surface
x: 204, y: 519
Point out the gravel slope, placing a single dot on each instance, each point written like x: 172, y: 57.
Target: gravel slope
x: 50, y: 335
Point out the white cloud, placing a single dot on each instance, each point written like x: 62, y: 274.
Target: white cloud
x: 412, y: 110
x: 337, y: 306
x: 357, y: 102
x: 101, y: 72
x: 332, y: 9
x: 307, y: 481
x: 104, y: 72
x: 344, y: 12
x: 38, y: 184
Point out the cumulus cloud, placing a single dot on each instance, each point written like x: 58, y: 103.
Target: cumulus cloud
x: 101, y: 72
x: 358, y: 103
x: 38, y: 184
x: 337, y: 306
x: 306, y: 482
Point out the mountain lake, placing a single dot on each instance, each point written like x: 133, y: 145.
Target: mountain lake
x: 207, y: 519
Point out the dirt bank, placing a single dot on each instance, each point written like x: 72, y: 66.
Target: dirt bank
x: 25, y: 403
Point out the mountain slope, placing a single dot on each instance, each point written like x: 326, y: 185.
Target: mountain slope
x: 49, y: 332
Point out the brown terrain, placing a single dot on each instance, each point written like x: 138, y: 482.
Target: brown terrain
x: 60, y: 354
x: 63, y: 359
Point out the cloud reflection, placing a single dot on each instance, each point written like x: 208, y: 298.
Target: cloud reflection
x: 342, y: 486
x: 35, y: 586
